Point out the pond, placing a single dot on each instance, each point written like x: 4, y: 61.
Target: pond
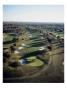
x: 22, y: 61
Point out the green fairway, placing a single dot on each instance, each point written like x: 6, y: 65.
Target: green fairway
x: 31, y: 49
x: 61, y: 34
x: 7, y: 37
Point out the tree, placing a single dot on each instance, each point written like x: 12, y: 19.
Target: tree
x: 49, y: 39
x: 14, y: 64
x: 49, y: 47
x: 12, y: 48
x: 6, y: 55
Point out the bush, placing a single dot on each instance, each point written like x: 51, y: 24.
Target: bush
x: 9, y: 72
x: 14, y: 64
x: 49, y: 47
x: 6, y: 55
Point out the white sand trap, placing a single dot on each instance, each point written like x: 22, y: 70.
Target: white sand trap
x: 20, y: 48
x: 23, y: 44
x: 41, y: 34
x: 42, y: 38
x: 16, y: 52
x: 41, y: 48
x: 30, y: 36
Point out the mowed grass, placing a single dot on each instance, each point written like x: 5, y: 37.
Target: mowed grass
x: 32, y: 43
x: 31, y: 58
x: 61, y: 34
x: 33, y: 61
x: 36, y: 63
x: 31, y: 49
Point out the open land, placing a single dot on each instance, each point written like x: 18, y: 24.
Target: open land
x: 33, y: 52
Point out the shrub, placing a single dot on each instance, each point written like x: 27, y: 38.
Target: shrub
x: 14, y: 64
x: 6, y: 55
x: 49, y: 47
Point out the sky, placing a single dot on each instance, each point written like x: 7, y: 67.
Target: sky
x: 33, y: 13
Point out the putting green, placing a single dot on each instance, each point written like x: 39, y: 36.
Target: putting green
x: 36, y: 63
x: 31, y: 58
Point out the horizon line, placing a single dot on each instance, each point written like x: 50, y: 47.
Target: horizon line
x: 32, y: 22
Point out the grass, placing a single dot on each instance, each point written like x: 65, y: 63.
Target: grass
x: 36, y: 63
x: 8, y: 37
x: 29, y: 49
x: 59, y: 33
x: 31, y: 58
x: 15, y: 56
